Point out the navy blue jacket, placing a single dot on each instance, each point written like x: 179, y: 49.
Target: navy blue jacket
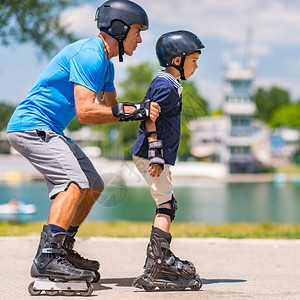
x: 166, y: 91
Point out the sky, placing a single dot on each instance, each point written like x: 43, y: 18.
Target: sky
x: 272, y: 28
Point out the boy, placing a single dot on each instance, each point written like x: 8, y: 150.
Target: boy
x: 155, y: 150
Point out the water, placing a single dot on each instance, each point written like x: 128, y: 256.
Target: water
x: 212, y: 203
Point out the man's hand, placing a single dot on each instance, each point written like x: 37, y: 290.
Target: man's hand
x: 154, y: 170
x: 154, y: 111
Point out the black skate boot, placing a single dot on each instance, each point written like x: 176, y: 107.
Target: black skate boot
x: 77, y: 260
x: 163, y: 269
x: 54, y: 272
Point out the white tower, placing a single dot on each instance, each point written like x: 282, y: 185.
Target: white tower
x: 239, y: 107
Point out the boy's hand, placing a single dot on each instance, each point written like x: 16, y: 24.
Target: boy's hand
x: 154, y: 111
x: 154, y: 170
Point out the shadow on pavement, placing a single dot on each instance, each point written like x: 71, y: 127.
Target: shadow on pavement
x: 127, y: 282
x: 210, y: 281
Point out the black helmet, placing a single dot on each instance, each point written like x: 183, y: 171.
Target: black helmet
x: 177, y: 44
x: 115, y: 18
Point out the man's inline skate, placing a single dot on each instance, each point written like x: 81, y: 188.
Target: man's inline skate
x: 54, y: 273
x: 78, y: 261
x: 163, y: 269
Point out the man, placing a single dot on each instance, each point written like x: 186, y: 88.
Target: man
x: 78, y: 75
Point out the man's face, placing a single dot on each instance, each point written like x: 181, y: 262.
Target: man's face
x: 133, y: 39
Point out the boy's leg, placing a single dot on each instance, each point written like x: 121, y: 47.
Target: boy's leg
x: 162, y: 268
x: 163, y: 221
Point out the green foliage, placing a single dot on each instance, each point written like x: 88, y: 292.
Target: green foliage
x: 6, y: 111
x: 137, y: 82
x: 218, y: 112
x: 286, y: 115
x: 268, y: 100
x: 34, y: 21
x: 74, y: 125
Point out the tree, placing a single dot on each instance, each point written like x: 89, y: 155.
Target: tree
x: 268, y: 100
x: 37, y: 21
x: 286, y: 115
x: 6, y: 111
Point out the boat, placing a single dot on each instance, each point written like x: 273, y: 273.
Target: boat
x: 16, y: 207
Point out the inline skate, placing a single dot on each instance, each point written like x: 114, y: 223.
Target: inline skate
x: 54, y: 273
x: 77, y: 260
x: 163, y: 269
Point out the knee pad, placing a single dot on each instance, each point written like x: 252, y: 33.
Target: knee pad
x: 166, y: 211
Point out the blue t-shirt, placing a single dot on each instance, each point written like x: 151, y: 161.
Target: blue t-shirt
x: 166, y: 91
x: 50, y: 103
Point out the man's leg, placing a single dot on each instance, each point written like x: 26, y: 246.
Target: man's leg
x: 89, y: 197
x: 71, y: 207
x: 64, y: 206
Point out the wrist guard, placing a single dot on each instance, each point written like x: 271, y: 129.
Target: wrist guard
x: 141, y: 113
x: 155, y: 153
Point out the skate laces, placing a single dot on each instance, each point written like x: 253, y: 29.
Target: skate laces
x: 76, y: 255
x: 61, y: 260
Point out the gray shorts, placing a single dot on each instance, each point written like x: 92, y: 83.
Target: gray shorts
x: 58, y: 158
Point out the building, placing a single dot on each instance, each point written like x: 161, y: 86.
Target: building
x: 236, y: 138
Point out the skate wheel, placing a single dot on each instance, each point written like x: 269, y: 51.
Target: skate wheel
x: 88, y: 292
x: 51, y: 292
x: 97, y: 276
x: 165, y: 288
x: 198, y: 286
x: 68, y: 293
x: 32, y: 291
x: 149, y: 288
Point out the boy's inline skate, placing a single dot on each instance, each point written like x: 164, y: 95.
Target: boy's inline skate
x: 163, y: 269
x: 54, y: 273
x: 78, y: 261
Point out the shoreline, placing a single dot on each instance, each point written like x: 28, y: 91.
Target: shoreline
x: 15, y: 168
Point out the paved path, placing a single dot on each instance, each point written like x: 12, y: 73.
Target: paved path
x: 231, y: 269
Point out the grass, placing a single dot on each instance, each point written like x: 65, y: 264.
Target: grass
x: 190, y: 230
x: 289, y: 169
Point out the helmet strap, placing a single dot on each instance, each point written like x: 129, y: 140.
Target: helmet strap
x: 121, y: 49
x: 180, y: 68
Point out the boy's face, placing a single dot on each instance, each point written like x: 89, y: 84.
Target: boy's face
x: 190, y: 64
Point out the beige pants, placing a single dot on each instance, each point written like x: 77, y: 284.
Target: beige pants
x: 160, y: 187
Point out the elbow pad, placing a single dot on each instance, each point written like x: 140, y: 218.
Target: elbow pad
x: 141, y: 113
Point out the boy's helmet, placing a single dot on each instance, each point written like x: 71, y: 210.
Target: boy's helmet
x: 177, y: 44
x: 115, y: 18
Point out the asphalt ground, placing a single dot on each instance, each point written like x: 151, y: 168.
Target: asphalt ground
x: 230, y: 269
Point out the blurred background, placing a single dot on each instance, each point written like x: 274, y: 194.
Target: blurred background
x: 239, y: 158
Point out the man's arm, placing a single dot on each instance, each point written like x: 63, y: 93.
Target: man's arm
x: 107, y: 98
x: 89, y: 112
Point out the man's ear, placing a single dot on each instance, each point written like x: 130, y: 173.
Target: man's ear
x: 176, y: 61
